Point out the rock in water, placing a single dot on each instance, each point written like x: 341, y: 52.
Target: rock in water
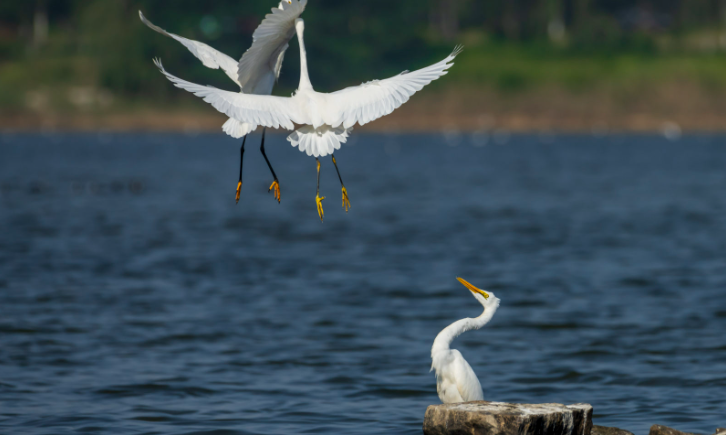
x: 657, y: 429
x: 496, y: 418
x: 603, y: 430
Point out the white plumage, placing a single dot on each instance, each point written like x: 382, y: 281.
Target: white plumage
x: 326, y: 120
x: 455, y: 380
x: 260, y: 66
x: 319, y: 141
x: 210, y: 57
x: 331, y: 111
x: 258, y: 69
x: 237, y: 129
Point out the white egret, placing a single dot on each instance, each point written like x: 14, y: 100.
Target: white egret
x: 455, y: 380
x: 257, y: 70
x: 326, y: 119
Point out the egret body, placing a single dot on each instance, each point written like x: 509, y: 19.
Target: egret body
x: 455, y: 380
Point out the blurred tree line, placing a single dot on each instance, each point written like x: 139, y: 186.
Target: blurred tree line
x: 103, y: 43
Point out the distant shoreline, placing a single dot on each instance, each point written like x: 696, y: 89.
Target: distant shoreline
x: 509, y: 122
x: 678, y: 110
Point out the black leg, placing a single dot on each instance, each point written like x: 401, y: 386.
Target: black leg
x: 318, y: 163
x: 318, y: 199
x: 241, y: 159
x: 346, y: 202
x: 275, y: 184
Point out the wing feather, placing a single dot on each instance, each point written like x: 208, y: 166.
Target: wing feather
x: 210, y: 57
x: 370, y: 101
x: 260, y: 66
x: 466, y: 381
x: 455, y: 379
x: 264, y: 110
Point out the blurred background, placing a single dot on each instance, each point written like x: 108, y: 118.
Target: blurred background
x: 582, y: 65
x: 136, y: 297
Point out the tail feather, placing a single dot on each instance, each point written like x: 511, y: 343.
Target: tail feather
x: 237, y: 129
x: 319, y: 142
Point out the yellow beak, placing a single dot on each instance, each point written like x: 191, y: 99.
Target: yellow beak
x: 472, y: 288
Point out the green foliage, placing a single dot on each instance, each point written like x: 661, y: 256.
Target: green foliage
x: 102, y: 43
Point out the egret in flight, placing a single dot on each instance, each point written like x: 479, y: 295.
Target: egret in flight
x: 255, y: 73
x: 455, y: 380
x: 326, y: 119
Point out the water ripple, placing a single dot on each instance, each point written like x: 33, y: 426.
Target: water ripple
x: 135, y: 297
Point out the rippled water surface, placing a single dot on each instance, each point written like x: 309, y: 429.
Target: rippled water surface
x: 135, y: 297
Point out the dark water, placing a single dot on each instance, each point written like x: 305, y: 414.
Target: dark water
x: 135, y: 297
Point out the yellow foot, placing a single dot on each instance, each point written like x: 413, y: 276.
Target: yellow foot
x: 319, y: 202
x: 239, y: 189
x: 346, y: 202
x: 276, y: 186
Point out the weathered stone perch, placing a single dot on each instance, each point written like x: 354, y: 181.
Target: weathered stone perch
x: 657, y: 429
x: 496, y: 418
x: 604, y: 430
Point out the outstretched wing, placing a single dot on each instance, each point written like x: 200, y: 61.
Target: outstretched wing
x: 210, y: 57
x: 259, y: 67
x: 264, y: 110
x: 370, y: 101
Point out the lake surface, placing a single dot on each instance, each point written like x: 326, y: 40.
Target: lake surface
x: 136, y: 298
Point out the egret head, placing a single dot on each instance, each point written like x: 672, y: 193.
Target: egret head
x: 485, y: 298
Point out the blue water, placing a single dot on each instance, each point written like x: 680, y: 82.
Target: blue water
x: 135, y: 297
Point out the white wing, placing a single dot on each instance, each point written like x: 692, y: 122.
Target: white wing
x: 210, y: 57
x: 455, y: 380
x: 260, y: 66
x: 369, y: 101
x: 264, y: 110
x: 466, y: 381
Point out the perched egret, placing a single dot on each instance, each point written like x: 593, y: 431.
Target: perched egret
x: 326, y: 119
x: 255, y: 73
x: 455, y: 380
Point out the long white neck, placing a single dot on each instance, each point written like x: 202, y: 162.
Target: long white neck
x: 304, y: 77
x: 448, y: 334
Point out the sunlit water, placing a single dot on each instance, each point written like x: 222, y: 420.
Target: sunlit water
x: 135, y: 297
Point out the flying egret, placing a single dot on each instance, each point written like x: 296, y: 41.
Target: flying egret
x: 455, y: 380
x: 255, y: 73
x: 326, y: 119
